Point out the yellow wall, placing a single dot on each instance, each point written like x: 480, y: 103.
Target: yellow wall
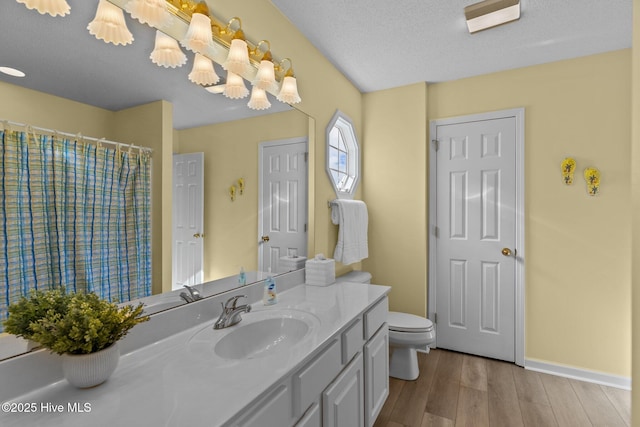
x: 577, y: 247
x: 635, y: 189
x: 231, y: 152
x: 39, y: 109
x: 394, y: 184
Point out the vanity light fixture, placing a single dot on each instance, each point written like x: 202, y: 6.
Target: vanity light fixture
x: 203, y: 72
x: 209, y: 38
x: 238, y: 59
x: 152, y: 12
x: 491, y: 13
x: 266, y: 76
x: 166, y: 52
x: 289, y: 90
x: 235, y: 87
x: 52, y: 7
x: 199, y: 35
x: 259, y: 100
x: 109, y: 24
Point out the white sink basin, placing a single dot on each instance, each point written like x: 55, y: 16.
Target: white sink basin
x: 259, y: 334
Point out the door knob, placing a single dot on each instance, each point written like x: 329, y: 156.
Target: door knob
x: 265, y: 238
x: 506, y: 251
x: 198, y: 235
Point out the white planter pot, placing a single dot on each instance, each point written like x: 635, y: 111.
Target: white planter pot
x: 89, y: 370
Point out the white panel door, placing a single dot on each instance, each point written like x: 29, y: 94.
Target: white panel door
x: 283, y: 202
x: 188, y: 232
x: 476, y: 217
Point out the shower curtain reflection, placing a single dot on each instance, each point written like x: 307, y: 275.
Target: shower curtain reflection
x: 73, y: 214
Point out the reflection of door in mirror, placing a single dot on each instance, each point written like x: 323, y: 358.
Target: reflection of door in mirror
x: 283, y: 199
x: 188, y: 212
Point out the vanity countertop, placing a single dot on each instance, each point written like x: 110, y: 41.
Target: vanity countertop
x: 165, y: 384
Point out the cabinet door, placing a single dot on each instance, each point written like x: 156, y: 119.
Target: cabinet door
x: 311, y: 418
x: 272, y: 411
x: 376, y: 378
x: 343, y: 400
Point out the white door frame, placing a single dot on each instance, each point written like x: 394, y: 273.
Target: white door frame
x: 518, y: 113
x: 261, y: 147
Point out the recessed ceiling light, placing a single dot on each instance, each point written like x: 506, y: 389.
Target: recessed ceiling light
x: 12, y: 72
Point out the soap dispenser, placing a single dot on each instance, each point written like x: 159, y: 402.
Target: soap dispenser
x: 269, y: 297
x: 242, y: 277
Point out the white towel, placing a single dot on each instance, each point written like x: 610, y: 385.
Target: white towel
x: 353, y: 220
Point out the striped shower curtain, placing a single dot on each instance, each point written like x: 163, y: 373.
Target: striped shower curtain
x: 73, y: 214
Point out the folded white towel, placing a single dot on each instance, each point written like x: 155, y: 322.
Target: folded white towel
x: 353, y: 220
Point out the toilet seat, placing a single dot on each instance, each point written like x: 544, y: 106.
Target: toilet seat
x: 405, y: 322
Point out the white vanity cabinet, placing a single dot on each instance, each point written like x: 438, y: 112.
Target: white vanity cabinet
x: 344, y: 384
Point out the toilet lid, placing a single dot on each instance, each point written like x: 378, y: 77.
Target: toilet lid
x: 405, y: 322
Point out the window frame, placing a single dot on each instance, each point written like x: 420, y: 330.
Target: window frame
x: 345, y: 126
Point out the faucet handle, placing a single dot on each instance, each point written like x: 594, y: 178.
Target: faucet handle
x: 233, y: 301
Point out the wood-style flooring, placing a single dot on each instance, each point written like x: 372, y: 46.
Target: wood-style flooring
x: 456, y: 389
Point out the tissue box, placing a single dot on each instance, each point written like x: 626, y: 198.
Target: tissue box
x: 290, y: 263
x: 320, y: 272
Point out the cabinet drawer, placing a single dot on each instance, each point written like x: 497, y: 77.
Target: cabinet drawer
x: 309, y: 381
x: 375, y: 317
x: 352, y: 341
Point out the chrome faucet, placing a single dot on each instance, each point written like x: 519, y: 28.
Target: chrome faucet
x: 231, y: 312
x: 194, y: 295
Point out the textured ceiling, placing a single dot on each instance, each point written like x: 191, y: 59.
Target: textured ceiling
x: 376, y: 44
x: 383, y: 44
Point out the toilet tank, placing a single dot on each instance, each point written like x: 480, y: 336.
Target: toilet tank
x: 355, y: 276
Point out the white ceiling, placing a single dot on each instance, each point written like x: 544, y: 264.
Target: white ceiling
x: 376, y: 44
x: 381, y: 44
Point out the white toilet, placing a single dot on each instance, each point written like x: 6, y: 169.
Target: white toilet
x: 407, y: 334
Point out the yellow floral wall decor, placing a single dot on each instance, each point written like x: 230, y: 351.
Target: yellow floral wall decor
x: 592, y: 177
x: 568, y: 168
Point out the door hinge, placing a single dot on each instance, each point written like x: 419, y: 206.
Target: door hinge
x: 435, y: 317
x: 436, y: 231
x: 436, y: 144
x: 306, y: 157
x: 305, y: 228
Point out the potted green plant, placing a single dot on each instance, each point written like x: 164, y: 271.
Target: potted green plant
x: 81, y: 327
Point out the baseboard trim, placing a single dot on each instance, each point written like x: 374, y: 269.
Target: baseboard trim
x: 587, y: 375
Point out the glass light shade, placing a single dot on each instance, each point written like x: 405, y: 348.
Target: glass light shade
x: 152, y: 12
x: 238, y: 60
x: 167, y: 53
x: 52, y: 7
x: 265, y: 77
x: 289, y: 91
x: 109, y: 24
x: 203, y: 72
x: 199, y: 35
x: 259, y: 100
x: 235, y: 88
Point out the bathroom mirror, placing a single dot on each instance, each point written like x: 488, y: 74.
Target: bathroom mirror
x: 73, y: 64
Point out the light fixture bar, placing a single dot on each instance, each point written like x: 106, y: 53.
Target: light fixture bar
x: 491, y: 13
